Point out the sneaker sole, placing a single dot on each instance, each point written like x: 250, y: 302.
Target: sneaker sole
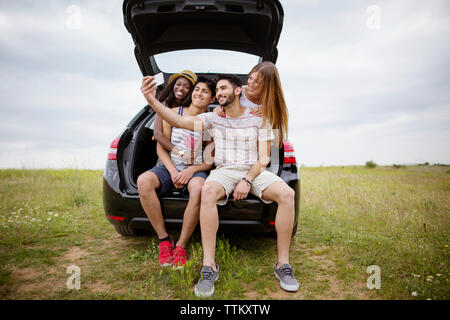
x: 178, y: 265
x: 203, y: 294
x: 286, y: 287
x: 165, y: 264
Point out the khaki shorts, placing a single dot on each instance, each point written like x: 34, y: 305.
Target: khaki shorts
x: 229, y: 177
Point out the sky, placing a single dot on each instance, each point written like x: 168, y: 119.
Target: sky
x: 363, y: 80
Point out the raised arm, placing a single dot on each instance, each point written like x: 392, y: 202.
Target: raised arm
x: 148, y: 89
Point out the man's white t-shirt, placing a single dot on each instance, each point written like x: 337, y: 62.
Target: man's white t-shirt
x: 236, y: 139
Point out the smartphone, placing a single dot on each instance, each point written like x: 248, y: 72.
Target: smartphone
x: 159, y: 78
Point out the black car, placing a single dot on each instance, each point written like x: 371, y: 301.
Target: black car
x: 170, y: 26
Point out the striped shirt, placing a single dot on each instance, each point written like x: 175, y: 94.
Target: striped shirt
x: 186, y: 140
x: 235, y: 139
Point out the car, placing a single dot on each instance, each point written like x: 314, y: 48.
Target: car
x: 173, y: 27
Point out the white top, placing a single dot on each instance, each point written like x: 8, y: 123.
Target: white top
x: 245, y: 102
x: 236, y: 139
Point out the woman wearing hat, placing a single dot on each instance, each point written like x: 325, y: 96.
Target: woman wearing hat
x: 264, y: 95
x: 177, y: 93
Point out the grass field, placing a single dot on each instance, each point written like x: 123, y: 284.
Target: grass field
x: 350, y: 218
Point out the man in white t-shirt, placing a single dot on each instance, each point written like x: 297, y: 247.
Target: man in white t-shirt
x: 242, y: 152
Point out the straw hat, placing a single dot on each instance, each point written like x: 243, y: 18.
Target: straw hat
x: 188, y: 74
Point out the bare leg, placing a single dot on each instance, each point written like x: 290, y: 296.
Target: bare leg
x: 147, y: 183
x: 209, y: 220
x: 192, y: 212
x: 284, y: 196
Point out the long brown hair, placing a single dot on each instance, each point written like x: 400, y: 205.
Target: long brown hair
x: 272, y: 99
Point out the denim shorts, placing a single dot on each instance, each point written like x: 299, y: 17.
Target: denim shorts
x: 166, y: 180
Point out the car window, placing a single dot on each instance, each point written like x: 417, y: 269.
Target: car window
x: 206, y: 61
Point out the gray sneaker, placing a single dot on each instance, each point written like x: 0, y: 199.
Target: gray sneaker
x: 286, y: 277
x: 205, y: 285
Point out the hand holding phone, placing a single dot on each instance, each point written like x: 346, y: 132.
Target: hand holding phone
x: 159, y: 78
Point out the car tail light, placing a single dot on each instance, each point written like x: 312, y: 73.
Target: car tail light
x: 116, y: 218
x: 289, y: 155
x: 112, y: 155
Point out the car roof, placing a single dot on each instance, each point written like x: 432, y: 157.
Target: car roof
x: 159, y: 26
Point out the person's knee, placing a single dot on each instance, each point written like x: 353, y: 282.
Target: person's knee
x: 286, y: 196
x: 195, y: 188
x: 145, y: 182
x: 209, y: 193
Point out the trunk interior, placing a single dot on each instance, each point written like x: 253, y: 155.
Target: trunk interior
x: 145, y: 156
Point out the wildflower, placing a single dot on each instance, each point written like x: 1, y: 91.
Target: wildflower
x: 414, y: 294
x: 33, y: 219
x: 55, y: 214
x: 438, y: 274
x: 446, y: 246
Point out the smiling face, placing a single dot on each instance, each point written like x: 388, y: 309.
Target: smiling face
x: 255, y: 84
x: 225, y: 92
x: 181, y: 88
x: 202, y: 95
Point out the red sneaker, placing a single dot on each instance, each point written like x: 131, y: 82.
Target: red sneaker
x: 166, y: 253
x: 179, y: 258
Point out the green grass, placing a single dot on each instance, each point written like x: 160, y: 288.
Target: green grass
x: 396, y: 217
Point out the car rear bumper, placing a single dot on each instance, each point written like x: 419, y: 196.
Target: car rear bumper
x: 249, y: 215
x: 142, y: 223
